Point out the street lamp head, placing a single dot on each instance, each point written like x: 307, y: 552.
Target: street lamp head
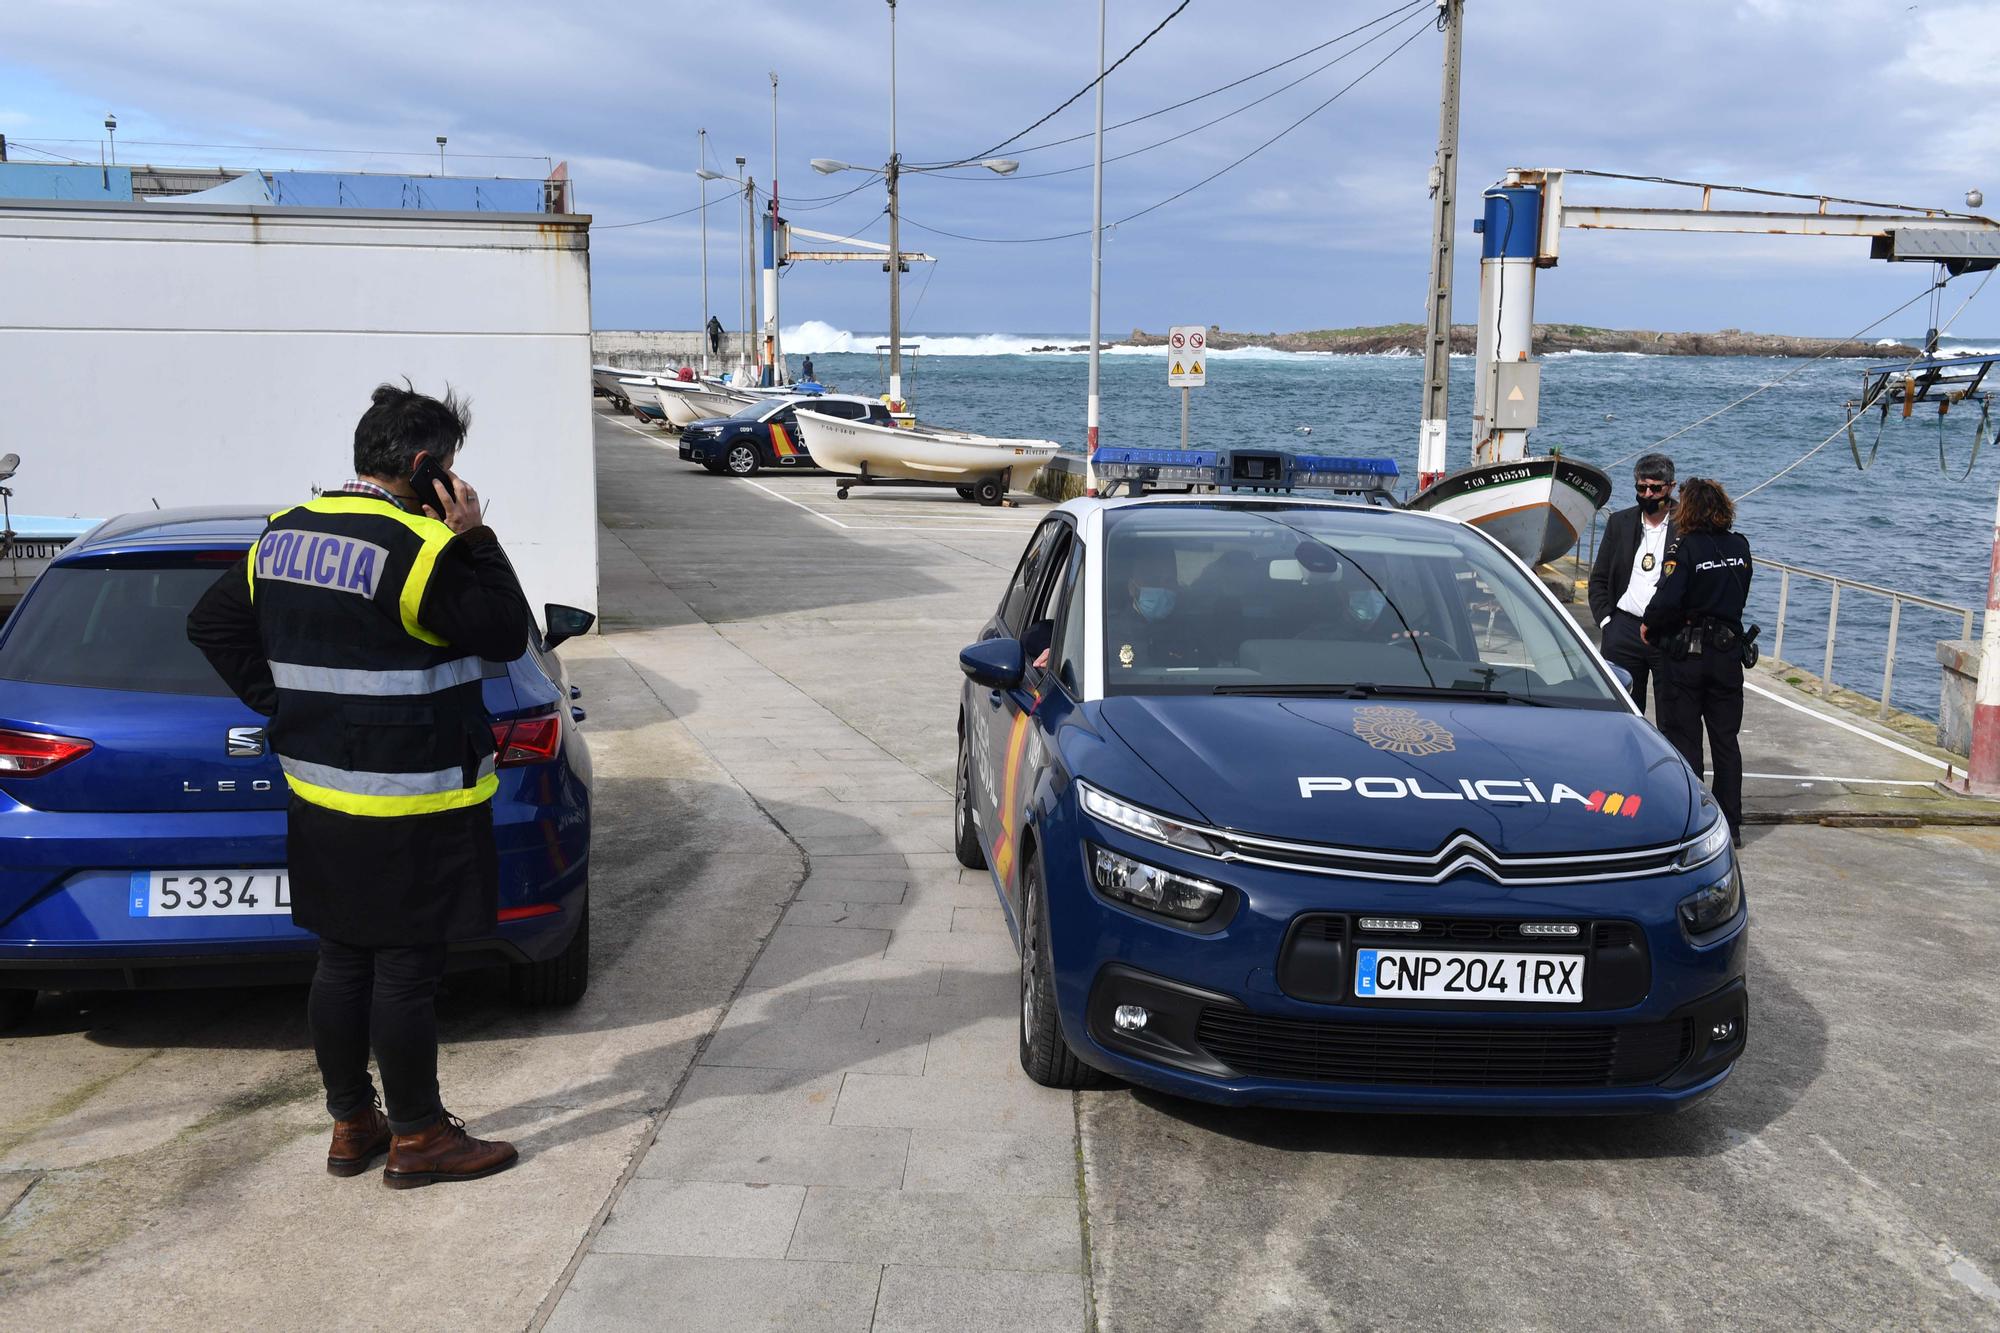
x: 1001, y: 166
x: 708, y: 175
x: 826, y: 166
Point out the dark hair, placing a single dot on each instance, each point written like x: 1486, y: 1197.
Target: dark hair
x: 1654, y: 467
x: 1704, y: 507
x: 401, y: 423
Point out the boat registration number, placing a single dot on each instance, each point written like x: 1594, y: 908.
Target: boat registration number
x: 1435, y: 974
x: 211, y: 893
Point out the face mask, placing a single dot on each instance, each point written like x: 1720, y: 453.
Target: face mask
x: 1152, y: 603
x: 1652, y: 504
x: 1367, y: 605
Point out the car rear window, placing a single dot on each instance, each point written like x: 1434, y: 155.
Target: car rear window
x: 116, y: 626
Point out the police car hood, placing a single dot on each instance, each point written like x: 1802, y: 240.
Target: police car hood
x: 1406, y: 776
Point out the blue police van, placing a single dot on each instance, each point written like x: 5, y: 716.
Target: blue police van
x: 1301, y: 802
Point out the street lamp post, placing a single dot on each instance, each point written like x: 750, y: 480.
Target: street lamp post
x: 440, y: 139
x: 743, y: 255
x: 701, y: 176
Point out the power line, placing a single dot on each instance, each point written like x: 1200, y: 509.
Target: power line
x: 272, y: 148
x: 1223, y: 88
x: 1208, y: 124
x: 728, y: 198
x: 1179, y: 194
x: 1071, y: 100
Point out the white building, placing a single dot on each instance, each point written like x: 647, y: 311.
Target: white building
x: 203, y: 352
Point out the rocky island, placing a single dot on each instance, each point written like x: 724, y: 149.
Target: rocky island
x: 1389, y: 339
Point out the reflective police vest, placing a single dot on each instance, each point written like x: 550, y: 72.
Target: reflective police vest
x: 376, y: 714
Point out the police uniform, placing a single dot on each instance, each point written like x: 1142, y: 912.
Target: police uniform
x: 360, y: 629
x: 1696, y: 618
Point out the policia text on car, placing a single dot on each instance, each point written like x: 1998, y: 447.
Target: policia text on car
x: 357, y: 623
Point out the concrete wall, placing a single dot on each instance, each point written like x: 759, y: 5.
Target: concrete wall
x: 201, y: 354
x: 650, y: 350
x: 1959, y: 663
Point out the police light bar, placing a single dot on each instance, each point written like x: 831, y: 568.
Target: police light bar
x: 1357, y: 476
x: 1144, y: 469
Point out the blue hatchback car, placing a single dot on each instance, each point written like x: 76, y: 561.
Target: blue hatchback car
x: 1315, y: 804
x: 142, y: 818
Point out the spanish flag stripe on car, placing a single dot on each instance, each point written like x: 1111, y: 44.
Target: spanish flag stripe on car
x: 781, y: 442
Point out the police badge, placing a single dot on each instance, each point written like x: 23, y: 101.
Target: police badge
x: 1402, y: 731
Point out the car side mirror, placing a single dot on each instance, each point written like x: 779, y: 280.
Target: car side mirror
x: 564, y: 622
x: 1624, y: 676
x: 995, y: 663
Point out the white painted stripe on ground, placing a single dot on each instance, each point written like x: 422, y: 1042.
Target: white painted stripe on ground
x: 1862, y: 732
x: 1825, y: 777
x: 775, y: 495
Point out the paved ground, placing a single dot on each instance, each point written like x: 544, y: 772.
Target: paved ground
x: 854, y: 1146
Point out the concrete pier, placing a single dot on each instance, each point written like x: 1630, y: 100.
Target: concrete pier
x: 791, y: 1099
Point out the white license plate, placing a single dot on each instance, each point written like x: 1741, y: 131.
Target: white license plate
x: 1438, y: 974
x: 211, y: 893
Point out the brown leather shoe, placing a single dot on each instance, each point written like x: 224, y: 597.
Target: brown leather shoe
x: 443, y: 1151
x: 357, y: 1142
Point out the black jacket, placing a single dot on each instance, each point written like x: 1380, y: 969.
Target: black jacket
x: 1707, y: 578
x: 1611, y: 571
x: 386, y: 881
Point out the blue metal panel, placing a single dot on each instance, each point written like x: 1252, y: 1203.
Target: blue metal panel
x: 1513, y: 223
x: 62, y: 180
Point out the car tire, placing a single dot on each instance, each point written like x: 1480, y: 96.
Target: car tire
x: 556, y: 981
x: 966, y: 492
x: 741, y: 460
x: 988, y: 491
x: 1045, y: 1053
x: 965, y: 833
x: 15, y: 1006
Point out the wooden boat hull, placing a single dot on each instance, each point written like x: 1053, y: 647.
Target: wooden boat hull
x: 676, y: 403
x: 1535, y: 507
x: 918, y: 454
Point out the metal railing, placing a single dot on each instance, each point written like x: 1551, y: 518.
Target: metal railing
x: 1897, y: 600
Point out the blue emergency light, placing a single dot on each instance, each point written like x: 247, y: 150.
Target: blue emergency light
x: 1143, y: 470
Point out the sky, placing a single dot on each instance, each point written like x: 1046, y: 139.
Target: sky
x: 1326, y: 227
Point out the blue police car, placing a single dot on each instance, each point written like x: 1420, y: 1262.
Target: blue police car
x: 1309, y: 803
x: 766, y: 434
x: 142, y: 816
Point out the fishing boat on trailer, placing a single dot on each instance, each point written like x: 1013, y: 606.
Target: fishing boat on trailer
x: 676, y: 400
x: 639, y: 395
x: 979, y: 467
x: 605, y: 379
x: 712, y: 398
x: 1535, y: 507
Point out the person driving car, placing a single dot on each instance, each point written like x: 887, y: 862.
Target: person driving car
x: 1146, y: 631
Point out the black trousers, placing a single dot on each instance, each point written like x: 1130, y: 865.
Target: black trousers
x: 387, y: 998
x: 1624, y: 647
x: 1706, y: 691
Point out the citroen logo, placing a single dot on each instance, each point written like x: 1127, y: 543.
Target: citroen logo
x: 245, y: 742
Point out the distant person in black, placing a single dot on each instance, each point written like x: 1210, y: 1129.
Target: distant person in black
x: 715, y: 335
x: 1627, y: 570
x: 1696, y: 619
x: 806, y: 368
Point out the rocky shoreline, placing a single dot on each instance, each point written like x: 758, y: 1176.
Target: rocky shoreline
x: 1391, y: 339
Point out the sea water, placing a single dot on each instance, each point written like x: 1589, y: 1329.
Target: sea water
x: 1905, y: 523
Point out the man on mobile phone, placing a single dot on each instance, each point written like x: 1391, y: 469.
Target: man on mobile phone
x: 357, y: 623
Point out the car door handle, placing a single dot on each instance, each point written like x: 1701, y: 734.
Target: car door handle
x: 576, y: 691
x: 994, y: 697
x: 576, y: 714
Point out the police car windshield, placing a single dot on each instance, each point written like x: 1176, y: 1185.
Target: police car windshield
x: 1239, y: 598
x: 750, y: 412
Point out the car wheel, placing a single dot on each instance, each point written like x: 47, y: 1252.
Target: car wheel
x: 965, y: 833
x: 560, y: 980
x: 741, y: 460
x: 988, y: 491
x: 1045, y: 1055
x: 15, y: 1006
x: 966, y: 492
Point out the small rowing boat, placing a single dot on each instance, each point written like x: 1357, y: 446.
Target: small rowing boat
x: 981, y: 467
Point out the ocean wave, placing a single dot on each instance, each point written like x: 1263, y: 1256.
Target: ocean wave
x: 1584, y: 351
x: 815, y: 338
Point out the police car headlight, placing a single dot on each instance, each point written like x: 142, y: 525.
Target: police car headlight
x: 1152, y: 889
x: 1711, y: 844
x: 1144, y: 823
x: 1715, y: 905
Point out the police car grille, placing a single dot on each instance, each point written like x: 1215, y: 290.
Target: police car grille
x: 1429, y: 1055
x: 1462, y: 856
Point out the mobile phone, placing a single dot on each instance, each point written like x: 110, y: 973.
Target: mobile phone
x: 431, y: 483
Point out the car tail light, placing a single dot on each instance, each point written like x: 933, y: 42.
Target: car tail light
x: 28, y: 754
x: 526, y: 740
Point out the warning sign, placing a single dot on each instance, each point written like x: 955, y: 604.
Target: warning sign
x: 1187, y: 356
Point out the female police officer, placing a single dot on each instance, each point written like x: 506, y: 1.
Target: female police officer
x: 1696, y: 618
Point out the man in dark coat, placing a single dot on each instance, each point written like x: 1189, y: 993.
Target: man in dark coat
x: 358, y: 623
x: 1627, y: 570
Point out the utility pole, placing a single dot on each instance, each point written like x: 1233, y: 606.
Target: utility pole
x: 1096, y: 269
x: 701, y: 178
x: 1432, y: 439
x: 440, y: 139
x: 742, y: 264
x: 750, y: 235
x: 895, y: 237
x: 772, y: 257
